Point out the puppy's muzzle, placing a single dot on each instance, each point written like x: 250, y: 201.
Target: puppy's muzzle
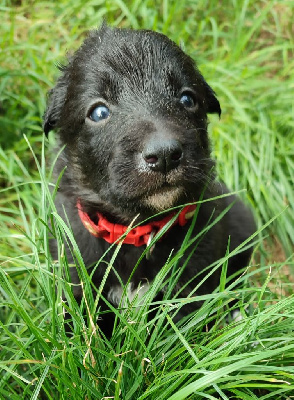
x: 162, y: 155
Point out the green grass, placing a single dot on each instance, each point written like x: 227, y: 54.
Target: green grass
x: 245, y: 51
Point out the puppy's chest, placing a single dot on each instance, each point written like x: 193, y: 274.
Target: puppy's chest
x: 142, y: 274
x: 131, y: 261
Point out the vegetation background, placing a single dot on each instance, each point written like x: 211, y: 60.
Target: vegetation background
x: 245, y: 50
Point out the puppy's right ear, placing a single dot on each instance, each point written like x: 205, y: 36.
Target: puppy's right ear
x: 213, y: 106
x: 56, y: 100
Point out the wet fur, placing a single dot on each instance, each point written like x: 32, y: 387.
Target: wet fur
x: 140, y: 76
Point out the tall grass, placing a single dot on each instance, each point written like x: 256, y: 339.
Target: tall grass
x: 245, y: 50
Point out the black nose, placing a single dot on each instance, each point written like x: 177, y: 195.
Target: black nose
x: 162, y: 155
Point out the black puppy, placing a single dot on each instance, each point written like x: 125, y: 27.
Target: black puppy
x: 131, y: 108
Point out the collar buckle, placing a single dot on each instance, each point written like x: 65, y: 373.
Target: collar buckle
x: 150, y: 250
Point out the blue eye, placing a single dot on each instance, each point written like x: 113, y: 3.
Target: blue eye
x: 99, y: 113
x: 188, y: 100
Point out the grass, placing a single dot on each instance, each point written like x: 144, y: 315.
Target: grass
x: 245, y: 50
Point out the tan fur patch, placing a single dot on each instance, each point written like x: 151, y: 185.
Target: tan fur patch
x: 116, y: 294
x: 163, y: 200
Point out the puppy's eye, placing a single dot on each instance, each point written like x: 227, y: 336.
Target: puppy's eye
x: 99, y: 113
x: 188, y: 100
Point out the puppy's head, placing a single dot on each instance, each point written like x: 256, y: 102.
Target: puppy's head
x: 132, y: 109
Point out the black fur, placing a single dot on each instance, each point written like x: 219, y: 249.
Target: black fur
x: 140, y: 76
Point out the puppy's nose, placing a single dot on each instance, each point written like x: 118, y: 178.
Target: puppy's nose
x: 162, y: 155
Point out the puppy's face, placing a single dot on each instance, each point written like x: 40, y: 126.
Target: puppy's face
x: 132, y: 110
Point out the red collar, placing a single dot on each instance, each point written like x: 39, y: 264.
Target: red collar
x: 137, y: 236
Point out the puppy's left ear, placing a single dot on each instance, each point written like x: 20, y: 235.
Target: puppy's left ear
x: 49, y: 118
x: 213, y: 106
x: 56, y: 100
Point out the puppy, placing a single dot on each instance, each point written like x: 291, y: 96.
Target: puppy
x: 131, y: 109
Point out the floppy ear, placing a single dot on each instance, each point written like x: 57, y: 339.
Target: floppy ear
x: 56, y: 99
x: 213, y: 106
